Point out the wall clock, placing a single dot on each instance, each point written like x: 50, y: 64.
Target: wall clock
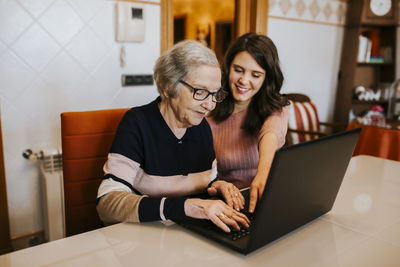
x: 377, y: 12
x: 380, y: 7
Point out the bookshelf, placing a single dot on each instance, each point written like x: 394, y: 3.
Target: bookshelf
x: 368, y: 58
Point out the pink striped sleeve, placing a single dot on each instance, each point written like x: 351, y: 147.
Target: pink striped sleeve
x: 278, y: 124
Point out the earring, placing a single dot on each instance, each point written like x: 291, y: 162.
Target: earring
x: 165, y: 94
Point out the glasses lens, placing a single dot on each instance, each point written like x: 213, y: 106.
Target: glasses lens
x: 200, y: 94
x: 220, y: 95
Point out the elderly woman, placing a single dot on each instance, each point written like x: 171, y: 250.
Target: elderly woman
x: 163, y: 151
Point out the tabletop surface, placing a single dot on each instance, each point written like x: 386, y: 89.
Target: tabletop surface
x: 362, y: 229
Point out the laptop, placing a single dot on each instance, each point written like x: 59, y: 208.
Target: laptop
x: 303, y: 183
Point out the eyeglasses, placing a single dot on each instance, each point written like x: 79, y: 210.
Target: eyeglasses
x: 201, y: 94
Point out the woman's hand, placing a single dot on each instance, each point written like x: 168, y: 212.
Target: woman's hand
x: 232, y: 195
x: 217, y: 211
x: 267, y: 146
x: 256, y: 191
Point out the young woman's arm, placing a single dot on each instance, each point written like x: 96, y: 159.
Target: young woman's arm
x: 272, y: 137
x: 267, y: 147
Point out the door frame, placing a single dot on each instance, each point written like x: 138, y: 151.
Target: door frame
x: 5, y: 241
x: 250, y: 16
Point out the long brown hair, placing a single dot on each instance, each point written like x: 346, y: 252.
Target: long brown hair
x: 268, y: 99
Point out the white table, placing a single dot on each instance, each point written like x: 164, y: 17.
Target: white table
x: 363, y: 229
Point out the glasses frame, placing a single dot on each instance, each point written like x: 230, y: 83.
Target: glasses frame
x: 213, y: 94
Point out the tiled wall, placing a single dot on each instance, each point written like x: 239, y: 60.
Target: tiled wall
x: 55, y: 56
x: 318, y: 11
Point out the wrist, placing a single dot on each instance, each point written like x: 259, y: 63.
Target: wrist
x: 212, y: 182
x: 192, y: 207
x: 217, y: 184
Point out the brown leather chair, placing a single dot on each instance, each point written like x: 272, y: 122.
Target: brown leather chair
x: 86, y: 140
x: 304, y: 123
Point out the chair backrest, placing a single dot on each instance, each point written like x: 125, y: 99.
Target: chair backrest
x: 86, y: 140
x: 303, y: 118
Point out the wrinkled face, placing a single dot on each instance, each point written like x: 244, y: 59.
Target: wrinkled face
x: 245, y: 78
x: 188, y: 111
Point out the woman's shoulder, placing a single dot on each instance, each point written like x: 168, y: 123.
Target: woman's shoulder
x: 277, y: 120
x: 233, y: 117
x: 280, y: 114
x: 140, y: 116
x: 142, y: 111
x: 230, y: 124
x: 204, y: 125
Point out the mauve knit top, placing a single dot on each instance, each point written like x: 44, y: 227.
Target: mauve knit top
x: 237, y: 153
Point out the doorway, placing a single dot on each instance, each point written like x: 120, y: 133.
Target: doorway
x: 200, y: 20
x: 179, y: 28
x: 249, y: 16
x: 223, y: 37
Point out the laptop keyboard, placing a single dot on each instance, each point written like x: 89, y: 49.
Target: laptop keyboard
x: 234, y: 235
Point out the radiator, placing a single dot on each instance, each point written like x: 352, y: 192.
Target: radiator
x: 50, y: 165
x: 53, y: 194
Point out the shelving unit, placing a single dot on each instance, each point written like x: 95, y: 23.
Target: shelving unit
x: 381, y: 32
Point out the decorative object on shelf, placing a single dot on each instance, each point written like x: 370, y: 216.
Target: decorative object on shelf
x: 374, y: 117
x: 394, y: 97
x: 386, y: 88
x: 352, y: 115
x: 386, y: 53
x: 364, y: 94
x: 376, y: 108
x: 203, y: 34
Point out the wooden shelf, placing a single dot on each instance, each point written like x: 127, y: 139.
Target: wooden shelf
x: 373, y: 102
x: 381, y: 34
x: 372, y: 64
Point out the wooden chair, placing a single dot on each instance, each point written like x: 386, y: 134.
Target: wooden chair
x: 304, y: 123
x: 86, y: 140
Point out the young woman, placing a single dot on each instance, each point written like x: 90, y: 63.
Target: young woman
x: 251, y: 123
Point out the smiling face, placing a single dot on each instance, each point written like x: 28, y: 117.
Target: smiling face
x: 186, y: 110
x: 245, y: 79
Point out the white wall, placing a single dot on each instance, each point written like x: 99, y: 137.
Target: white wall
x: 309, y: 37
x: 55, y: 56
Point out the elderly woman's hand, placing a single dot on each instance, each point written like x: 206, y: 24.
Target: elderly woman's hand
x: 232, y: 195
x: 218, y: 212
